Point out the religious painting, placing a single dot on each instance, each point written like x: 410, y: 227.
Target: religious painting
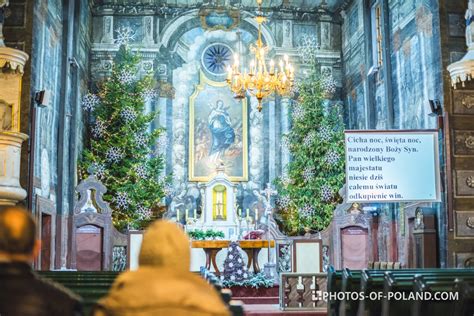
x: 217, y: 132
x: 6, y: 116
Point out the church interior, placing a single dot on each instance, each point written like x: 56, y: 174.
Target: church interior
x: 316, y: 156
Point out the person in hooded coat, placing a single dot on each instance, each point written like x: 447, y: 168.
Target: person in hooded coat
x: 163, y: 284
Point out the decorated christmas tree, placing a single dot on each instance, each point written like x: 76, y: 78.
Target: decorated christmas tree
x: 235, y: 270
x: 308, y: 190
x: 121, y: 149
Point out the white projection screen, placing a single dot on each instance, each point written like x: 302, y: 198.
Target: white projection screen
x: 392, y: 166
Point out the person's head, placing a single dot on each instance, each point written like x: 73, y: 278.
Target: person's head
x: 165, y: 245
x: 17, y: 235
x: 220, y: 104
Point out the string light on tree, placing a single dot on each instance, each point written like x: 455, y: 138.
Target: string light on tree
x: 121, y: 152
x: 316, y: 145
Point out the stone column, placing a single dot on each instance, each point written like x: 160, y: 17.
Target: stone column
x: 285, y: 128
x: 148, y: 30
x: 107, y: 27
x: 287, y: 34
x: 272, y: 162
x: 12, y: 62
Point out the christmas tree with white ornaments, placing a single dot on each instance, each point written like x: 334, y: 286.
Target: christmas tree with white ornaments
x: 234, y: 266
x: 120, y: 152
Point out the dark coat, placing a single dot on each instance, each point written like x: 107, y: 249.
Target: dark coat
x: 24, y: 293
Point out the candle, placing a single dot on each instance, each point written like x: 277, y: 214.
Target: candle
x: 186, y: 214
x: 177, y: 215
x: 248, y: 214
x: 239, y: 213
x: 256, y: 215
x: 195, y: 214
x: 272, y: 66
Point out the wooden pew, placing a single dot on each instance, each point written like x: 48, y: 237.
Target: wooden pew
x: 374, y: 281
x: 350, y: 283
x: 396, y: 281
x: 444, y: 306
x: 465, y: 305
x: 334, y: 285
x: 89, y: 285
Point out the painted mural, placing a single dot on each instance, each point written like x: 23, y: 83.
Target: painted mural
x: 218, y: 132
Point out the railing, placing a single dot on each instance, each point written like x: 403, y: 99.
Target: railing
x: 303, y: 291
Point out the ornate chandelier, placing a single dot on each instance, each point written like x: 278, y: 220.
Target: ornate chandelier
x: 257, y: 79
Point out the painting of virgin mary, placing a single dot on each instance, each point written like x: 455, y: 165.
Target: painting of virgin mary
x: 218, y: 132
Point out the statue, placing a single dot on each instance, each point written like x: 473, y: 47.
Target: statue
x: 3, y: 5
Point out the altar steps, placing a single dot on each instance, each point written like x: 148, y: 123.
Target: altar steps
x: 261, y: 295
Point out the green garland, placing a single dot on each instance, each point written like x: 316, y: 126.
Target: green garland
x: 199, y: 234
x: 120, y: 152
x: 309, y: 191
x: 256, y: 281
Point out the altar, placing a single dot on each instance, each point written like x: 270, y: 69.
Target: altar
x: 251, y: 247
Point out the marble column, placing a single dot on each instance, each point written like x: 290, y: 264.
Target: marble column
x: 148, y: 30
x: 285, y: 128
x: 272, y: 161
x: 287, y: 34
x: 107, y: 27
x: 12, y: 62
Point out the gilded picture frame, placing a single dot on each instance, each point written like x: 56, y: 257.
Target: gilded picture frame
x: 218, y: 132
